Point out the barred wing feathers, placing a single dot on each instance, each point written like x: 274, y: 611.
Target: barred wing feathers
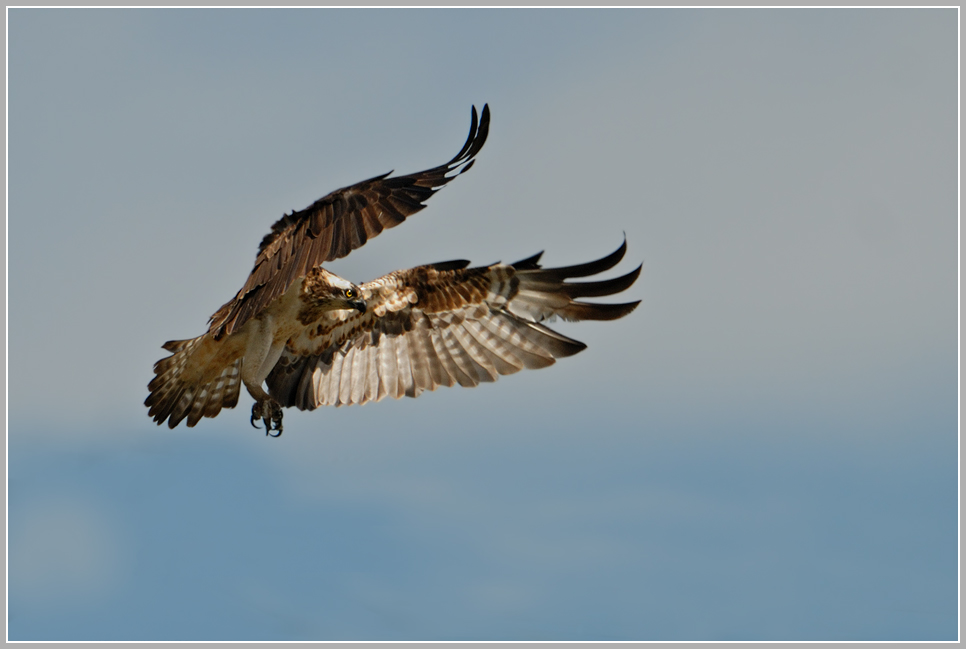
x: 444, y: 325
x: 335, y: 225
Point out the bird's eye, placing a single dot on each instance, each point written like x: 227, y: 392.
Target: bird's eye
x: 349, y: 293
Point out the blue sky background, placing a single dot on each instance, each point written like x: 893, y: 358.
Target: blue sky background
x: 765, y: 449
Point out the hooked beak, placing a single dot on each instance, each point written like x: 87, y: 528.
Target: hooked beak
x: 359, y: 305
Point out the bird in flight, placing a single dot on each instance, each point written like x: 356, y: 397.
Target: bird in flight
x: 316, y: 339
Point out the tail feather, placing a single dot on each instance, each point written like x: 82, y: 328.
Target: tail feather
x: 175, y: 396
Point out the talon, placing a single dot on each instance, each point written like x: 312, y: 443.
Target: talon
x: 270, y: 412
x: 276, y: 418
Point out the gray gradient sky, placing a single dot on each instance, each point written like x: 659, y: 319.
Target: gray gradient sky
x: 765, y: 449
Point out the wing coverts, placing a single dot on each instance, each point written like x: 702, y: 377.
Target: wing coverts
x: 337, y: 224
x: 445, y: 325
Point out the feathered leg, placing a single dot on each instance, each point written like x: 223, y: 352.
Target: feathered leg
x: 261, y: 354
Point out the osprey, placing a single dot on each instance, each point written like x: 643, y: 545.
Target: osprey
x: 316, y: 339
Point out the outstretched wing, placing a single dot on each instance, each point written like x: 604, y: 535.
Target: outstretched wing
x: 335, y: 225
x: 443, y: 325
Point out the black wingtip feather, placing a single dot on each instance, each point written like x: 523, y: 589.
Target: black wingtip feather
x: 470, y: 137
x: 530, y: 263
x: 591, y: 267
x: 603, y: 287
x: 454, y: 264
x: 469, y: 165
x: 588, y: 311
x: 479, y: 128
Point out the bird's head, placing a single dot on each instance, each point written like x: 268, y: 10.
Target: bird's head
x: 353, y: 299
x: 324, y: 291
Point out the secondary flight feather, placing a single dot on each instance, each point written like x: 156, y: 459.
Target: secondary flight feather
x: 313, y: 338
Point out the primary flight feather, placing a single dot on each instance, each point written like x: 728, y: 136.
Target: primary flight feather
x: 316, y: 339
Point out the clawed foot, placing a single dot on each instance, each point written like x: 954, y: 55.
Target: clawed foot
x: 271, y: 413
